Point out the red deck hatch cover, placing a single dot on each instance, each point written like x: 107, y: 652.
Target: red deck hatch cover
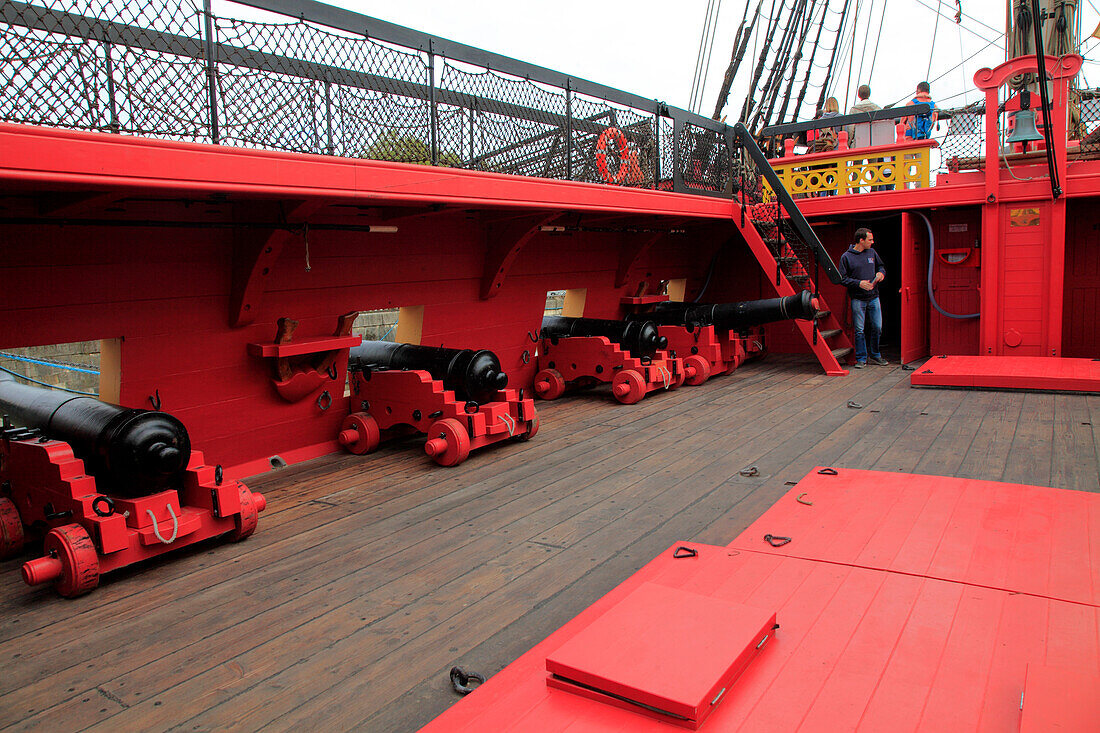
x: 1060, y: 699
x: 663, y: 652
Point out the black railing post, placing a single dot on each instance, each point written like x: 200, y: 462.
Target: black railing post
x: 741, y: 155
x: 434, y: 111
x: 568, y: 131
x: 211, y: 71
x: 677, y: 145
x: 330, y: 144
x: 112, y: 108
x: 657, y: 147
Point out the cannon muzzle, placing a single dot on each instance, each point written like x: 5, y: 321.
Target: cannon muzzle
x: 130, y: 452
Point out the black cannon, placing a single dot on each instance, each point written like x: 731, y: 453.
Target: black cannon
x: 130, y: 452
x: 733, y: 316
x: 639, y: 337
x: 472, y: 375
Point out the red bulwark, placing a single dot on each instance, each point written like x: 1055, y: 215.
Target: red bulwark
x: 904, y: 602
x: 1048, y: 374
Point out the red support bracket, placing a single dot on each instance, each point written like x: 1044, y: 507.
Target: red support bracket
x: 252, y: 263
x: 630, y: 252
x: 506, y: 239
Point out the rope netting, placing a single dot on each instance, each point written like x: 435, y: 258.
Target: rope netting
x: 169, y: 70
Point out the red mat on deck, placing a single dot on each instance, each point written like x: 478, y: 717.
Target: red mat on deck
x: 1042, y: 373
x: 866, y: 640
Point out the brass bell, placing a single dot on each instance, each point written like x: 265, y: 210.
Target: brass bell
x: 1025, y: 131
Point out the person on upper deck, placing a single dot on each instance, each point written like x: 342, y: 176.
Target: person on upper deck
x: 919, y: 127
x: 863, y: 105
x: 862, y: 270
x: 824, y: 138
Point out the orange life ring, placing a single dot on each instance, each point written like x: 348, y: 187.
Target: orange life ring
x: 616, y: 137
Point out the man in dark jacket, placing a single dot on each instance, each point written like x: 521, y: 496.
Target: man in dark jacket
x: 863, y: 271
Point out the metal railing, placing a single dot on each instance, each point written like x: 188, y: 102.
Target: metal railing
x: 330, y: 81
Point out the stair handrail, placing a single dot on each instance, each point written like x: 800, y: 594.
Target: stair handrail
x: 797, y: 220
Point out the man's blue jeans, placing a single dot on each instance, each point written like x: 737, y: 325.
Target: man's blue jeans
x: 867, y: 312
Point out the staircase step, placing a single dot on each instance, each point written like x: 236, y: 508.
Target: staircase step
x: 798, y: 278
x: 786, y: 260
x: 822, y: 314
x: 830, y: 333
x: 839, y: 354
x: 773, y: 241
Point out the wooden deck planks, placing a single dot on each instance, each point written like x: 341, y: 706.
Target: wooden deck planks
x: 371, y: 575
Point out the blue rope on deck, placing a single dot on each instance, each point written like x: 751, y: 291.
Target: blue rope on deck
x: 51, y: 386
x: 59, y: 365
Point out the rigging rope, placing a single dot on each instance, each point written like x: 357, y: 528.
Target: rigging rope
x: 999, y: 34
x: 852, y: 60
x: 832, y: 60
x: 773, y: 23
x: 863, y: 56
x: 809, y: 68
x: 874, y: 56
x: 740, y: 42
x: 935, y: 32
x: 699, y: 56
x: 797, y: 59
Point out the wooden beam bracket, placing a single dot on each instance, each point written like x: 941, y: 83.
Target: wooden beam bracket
x: 629, y: 253
x: 505, y: 240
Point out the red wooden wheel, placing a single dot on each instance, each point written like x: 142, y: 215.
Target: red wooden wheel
x: 699, y: 367
x: 251, y: 506
x: 359, y: 433
x: 732, y: 365
x: 549, y: 384
x: 448, y: 442
x: 628, y: 386
x: 532, y: 429
x: 11, y: 529
x: 71, y: 562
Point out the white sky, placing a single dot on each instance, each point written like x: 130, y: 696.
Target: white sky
x: 649, y: 47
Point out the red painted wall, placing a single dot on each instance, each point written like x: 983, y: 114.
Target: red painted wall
x: 165, y: 292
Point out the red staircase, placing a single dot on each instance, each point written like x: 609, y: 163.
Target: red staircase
x: 777, y: 250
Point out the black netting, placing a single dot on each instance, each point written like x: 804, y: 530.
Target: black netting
x: 704, y: 159
x: 963, y: 147
x: 167, y: 70
x: 1088, y: 123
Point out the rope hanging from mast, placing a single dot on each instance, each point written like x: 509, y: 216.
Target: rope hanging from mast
x: 740, y: 45
x: 796, y: 60
x: 779, y: 68
x: 832, y: 59
x: 702, y: 59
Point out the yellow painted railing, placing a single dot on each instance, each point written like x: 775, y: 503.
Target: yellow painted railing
x: 858, y: 170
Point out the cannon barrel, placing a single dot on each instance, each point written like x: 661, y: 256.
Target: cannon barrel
x: 639, y: 337
x: 472, y: 375
x: 734, y: 316
x: 130, y: 452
